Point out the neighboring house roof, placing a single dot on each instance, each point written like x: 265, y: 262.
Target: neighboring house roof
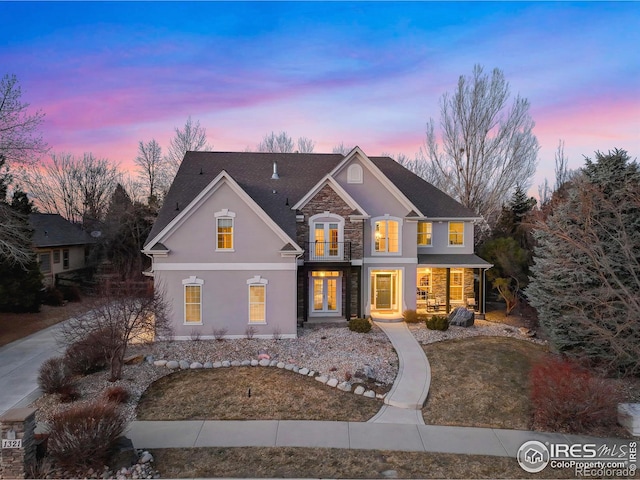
x: 52, y: 230
x: 465, y: 260
x: 298, y: 174
x: 432, y: 202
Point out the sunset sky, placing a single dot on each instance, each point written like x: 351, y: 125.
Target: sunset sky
x: 108, y: 75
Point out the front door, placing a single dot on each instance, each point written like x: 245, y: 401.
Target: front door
x: 383, y: 292
x: 325, y: 293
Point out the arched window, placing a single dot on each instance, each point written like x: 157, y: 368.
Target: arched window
x: 387, y: 235
x: 326, y: 236
x: 354, y: 173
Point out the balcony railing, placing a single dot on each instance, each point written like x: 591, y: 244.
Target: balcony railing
x: 327, y: 251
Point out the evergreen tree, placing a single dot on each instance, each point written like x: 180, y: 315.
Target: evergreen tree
x: 20, y: 282
x: 586, y: 276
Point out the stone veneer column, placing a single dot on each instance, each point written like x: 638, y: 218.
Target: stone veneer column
x: 19, y: 424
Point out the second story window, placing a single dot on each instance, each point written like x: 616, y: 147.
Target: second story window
x: 386, y: 236
x: 424, y: 233
x: 326, y: 237
x: 456, y: 234
x: 224, y: 230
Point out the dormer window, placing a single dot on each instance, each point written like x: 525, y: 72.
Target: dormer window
x: 224, y: 230
x: 354, y: 174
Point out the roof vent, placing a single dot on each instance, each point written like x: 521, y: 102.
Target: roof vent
x: 275, y: 175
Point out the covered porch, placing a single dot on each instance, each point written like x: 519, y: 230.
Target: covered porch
x: 447, y: 281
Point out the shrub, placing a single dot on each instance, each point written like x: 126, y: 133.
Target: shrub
x: 411, y: 316
x: 53, y: 296
x: 84, y: 435
x: 437, y: 322
x: 219, y: 333
x: 116, y: 394
x: 88, y: 355
x: 360, y: 325
x: 568, y: 397
x: 68, y: 393
x: 54, y: 376
x: 71, y: 293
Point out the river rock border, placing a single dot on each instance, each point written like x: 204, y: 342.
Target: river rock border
x: 266, y: 362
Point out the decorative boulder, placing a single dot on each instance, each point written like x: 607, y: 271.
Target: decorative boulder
x: 359, y: 390
x: 195, y: 365
x: 245, y: 363
x: 160, y: 363
x: 173, y: 365
x: 461, y: 317
x: 208, y: 365
x: 322, y: 379
x: 264, y: 362
x: 303, y: 371
x: 333, y: 382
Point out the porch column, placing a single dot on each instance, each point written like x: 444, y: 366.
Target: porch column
x: 305, y: 294
x: 347, y: 307
x: 359, y: 292
x: 448, y: 295
x: 481, y: 295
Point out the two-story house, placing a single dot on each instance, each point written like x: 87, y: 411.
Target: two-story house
x: 265, y: 241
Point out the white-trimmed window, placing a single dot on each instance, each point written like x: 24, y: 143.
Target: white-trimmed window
x: 354, y: 173
x: 65, y: 259
x: 424, y: 233
x: 257, y: 299
x: 424, y: 287
x: 192, y: 300
x: 456, y: 234
x: 326, y: 233
x: 56, y: 256
x: 456, y: 287
x: 387, y: 236
x: 224, y: 230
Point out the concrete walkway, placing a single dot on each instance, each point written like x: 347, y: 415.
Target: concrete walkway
x: 347, y: 435
x: 404, y: 401
x: 19, y: 365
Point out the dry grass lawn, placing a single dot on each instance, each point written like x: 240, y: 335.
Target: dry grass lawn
x: 14, y: 326
x: 276, y: 394
x: 480, y: 382
x: 334, y: 463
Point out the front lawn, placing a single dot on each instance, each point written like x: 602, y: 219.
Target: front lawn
x: 250, y: 393
x: 480, y: 382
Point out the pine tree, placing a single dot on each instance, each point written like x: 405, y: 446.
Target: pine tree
x: 586, y: 276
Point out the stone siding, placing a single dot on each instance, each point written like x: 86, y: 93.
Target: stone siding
x: 18, y: 462
x: 327, y: 200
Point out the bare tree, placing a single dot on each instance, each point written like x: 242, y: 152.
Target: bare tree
x: 20, y: 141
x: 152, y: 169
x: 305, y: 145
x: 280, y: 143
x: 192, y: 138
x: 78, y: 188
x: 122, y: 313
x: 562, y: 172
x: 342, y: 149
x: 15, y: 237
x: 484, y: 148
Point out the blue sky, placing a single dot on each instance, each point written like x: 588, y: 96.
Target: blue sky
x: 109, y: 74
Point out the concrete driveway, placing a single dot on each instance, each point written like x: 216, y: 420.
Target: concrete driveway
x: 19, y: 365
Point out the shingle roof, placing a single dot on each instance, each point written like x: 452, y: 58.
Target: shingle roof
x: 52, y: 230
x: 298, y: 173
x: 431, y: 201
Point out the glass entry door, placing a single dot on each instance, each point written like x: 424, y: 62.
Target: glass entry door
x: 325, y: 293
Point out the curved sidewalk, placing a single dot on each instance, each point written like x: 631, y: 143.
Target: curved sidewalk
x: 403, y: 403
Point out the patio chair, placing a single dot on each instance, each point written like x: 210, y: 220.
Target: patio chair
x: 471, y: 303
x: 431, y: 304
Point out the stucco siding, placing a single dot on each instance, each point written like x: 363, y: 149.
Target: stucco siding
x: 195, y: 239
x: 440, y: 239
x: 225, y: 301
